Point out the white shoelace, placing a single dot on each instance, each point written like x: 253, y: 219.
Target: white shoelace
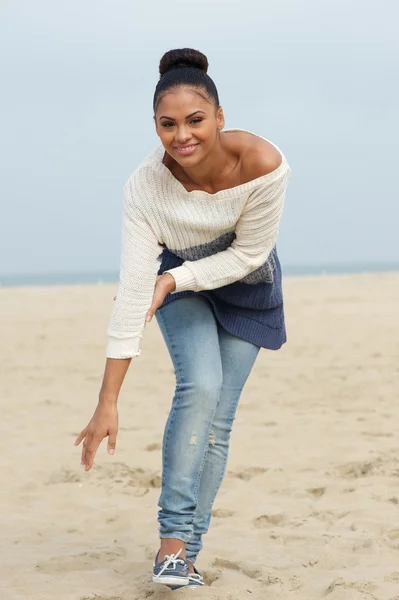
x: 171, y: 559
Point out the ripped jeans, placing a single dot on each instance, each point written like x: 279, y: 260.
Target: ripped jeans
x: 211, y: 368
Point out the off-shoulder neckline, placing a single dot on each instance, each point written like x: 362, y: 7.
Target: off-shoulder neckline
x: 237, y: 190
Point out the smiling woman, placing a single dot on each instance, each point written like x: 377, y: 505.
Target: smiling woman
x: 199, y: 232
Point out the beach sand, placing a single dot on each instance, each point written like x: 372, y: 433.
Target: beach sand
x: 309, y: 507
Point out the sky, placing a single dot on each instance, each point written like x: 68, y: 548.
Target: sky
x: 318, y: 78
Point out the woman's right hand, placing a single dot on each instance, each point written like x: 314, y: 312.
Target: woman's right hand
x: 103, y: 423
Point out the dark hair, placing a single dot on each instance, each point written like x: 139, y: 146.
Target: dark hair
x: 184, y: 67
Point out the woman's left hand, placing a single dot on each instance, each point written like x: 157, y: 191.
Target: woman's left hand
x: 164, y: 285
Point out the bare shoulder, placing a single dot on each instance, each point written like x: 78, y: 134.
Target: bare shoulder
x: 258, y: 156
x: 261, y: 160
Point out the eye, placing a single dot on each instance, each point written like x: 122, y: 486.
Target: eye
x: 196, y: 120
x: 167, y: 124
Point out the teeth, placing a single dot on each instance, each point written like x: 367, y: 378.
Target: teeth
x: 186, y: 148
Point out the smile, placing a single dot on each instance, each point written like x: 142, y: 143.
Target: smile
x: 186, y: 150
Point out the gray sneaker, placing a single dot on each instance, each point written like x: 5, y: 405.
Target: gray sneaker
x: 171, y: 571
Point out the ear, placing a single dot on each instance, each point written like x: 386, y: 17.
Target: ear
x: 155, y: 123
x: 220, y: 118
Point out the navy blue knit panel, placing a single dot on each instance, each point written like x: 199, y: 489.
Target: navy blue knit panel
x: 253, y: 312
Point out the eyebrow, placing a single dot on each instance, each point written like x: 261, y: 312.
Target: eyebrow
x: 188, y: 116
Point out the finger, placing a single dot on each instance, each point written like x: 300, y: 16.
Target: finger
x: 90, y: 454
x: 151, y: 311
x: 84, y: 448
x: 87, y: 443
x: 80, y: 437
x: 158, y: 298
x: 112, y: 441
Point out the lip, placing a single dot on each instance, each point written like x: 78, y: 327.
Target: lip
x: 186, y: 150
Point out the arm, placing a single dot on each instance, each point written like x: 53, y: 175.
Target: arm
x: 114, y: 374
x: 139, y: 266
x: 140, y: 262
x: 256, y: 234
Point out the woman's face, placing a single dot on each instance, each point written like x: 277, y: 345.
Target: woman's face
x: 187, y: 125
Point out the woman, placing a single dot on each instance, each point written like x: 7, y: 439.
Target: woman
x: 201, y: 217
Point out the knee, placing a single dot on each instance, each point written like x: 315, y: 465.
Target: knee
x: 206, y: 388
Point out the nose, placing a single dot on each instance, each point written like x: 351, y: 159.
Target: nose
x: 183, y: 134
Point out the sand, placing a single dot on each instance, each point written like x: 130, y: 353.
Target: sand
x: 309, y: 507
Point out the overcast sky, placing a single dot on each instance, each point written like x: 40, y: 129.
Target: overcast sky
x: 318, y: 78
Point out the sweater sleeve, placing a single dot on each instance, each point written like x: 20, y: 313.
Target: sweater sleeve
x: 140, y: 261
x: 256, y: 235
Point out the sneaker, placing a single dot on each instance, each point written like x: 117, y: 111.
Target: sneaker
x: 195, y: 580
x: 172, y: 571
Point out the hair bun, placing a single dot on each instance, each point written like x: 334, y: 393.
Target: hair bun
x: 184, y: 57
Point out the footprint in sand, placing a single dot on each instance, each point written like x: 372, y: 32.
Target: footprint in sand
x: 248, y: 473
x: 317, y: 492
x: 222, y: 513
x: 154, y: 446
x: 354, y: 470
x: 117, y: 473
x: 210, y: 576
x: 385, y: 464
x: 364, y: 587
x: 329, y: 516
x: 96, y: 597
x: 121, y: 473
x: 391, y: 539
x: 364, y: 546
x: 393, y: 534
x: 265, y: 521
x: 79, y: 562
x: 335, y: 583
x: 378, y: 434
x: 223, y: 563
x: 295, y: 583
x: 63, y: 476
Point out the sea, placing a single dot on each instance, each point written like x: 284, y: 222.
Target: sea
x: 98, y: 277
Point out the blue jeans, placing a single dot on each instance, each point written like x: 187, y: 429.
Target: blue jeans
x: 211, y: 368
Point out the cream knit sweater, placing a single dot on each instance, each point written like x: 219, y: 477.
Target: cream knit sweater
x: 159, y: 212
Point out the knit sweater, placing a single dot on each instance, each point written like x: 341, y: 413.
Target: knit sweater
x: 219, y: 238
